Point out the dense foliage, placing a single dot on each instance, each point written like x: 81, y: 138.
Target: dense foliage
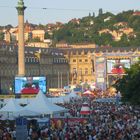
x: 87, y: 30
x: 1, y: 36
x: 129, y: 85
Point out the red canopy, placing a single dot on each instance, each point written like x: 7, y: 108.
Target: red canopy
x: 88, y: 94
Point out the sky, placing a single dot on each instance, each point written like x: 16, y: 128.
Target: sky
x: 61, y: 10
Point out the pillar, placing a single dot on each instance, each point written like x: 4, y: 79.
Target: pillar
x: 21, y: 55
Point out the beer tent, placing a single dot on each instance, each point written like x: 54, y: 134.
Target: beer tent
x: 42, y: 105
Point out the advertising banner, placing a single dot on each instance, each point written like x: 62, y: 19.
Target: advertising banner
x: 21, y: 129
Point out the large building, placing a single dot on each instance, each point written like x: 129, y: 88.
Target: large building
x: 81, y: 65
x: 66, y: 66
x: 102, y: 65
x: 49, y: 63
x: 110, y: 64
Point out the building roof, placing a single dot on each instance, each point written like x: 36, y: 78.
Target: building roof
x: 137, y: 13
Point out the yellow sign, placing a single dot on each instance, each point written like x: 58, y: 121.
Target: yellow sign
x: 6, y: 96
x: 28, y: 96
x: 13, y: 96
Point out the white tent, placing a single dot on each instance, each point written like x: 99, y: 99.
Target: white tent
x: 26, y: 113
x: 23, y: 101
x: 42, y: 105
x: 14, y: 109
x: 61, y: 99
x: 11, y: 107
x: 2, y: 104
x: 73, y: 95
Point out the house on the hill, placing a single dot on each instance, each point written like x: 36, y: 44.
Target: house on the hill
x: 136, y: 13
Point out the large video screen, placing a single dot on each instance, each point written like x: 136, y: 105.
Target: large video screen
x: 117, y: 66
x: 30, y: 85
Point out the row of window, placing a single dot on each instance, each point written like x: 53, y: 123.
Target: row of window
x: 6, y: 59
x: 34, y: 60
x: 82, y: 71
x: 61, y: 60
x: 7, y: 72
x: 31, y: 60
x: 80, y: 60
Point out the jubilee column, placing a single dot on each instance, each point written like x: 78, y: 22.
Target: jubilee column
x: 21, y: 55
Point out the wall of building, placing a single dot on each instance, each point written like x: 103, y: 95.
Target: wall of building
x: 105, y: 78
x: 43, y: 65
x: 62, y: 66
x: 81, y: 65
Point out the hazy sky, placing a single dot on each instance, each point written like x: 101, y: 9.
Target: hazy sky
x: 61, y: 10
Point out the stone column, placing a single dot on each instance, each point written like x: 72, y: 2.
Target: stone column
x: 21, y: 54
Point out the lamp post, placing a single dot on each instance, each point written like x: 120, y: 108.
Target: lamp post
x: 61, y: 80
x: 0, y: 84
x: 58, y: 80
x: 68, y: 78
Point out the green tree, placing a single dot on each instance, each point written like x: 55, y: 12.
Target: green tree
x: 129, y: 85
x: 123, y: 16
x: 1, y: 36
x: 36, y: 39
x: 93, y: 14
x: 106, y: 39
x: 47, y: 36
x: 89, y: 15
x: 100, y: 11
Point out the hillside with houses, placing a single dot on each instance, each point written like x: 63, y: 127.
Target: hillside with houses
x: 105, y: 29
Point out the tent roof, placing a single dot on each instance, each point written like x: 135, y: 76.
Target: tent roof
x: 87, y: 92
x: 11, y: 106
x: 26, y: 113
x: 73, y: 94
x: 42, y: 105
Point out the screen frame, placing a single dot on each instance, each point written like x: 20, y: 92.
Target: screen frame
x: 22, y: 77
x: 110, y: 73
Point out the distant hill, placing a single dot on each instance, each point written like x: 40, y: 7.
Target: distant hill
x: 105, y: 29
x: 108, y: 29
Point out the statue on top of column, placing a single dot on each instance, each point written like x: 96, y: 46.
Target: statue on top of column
x: 20, y: 3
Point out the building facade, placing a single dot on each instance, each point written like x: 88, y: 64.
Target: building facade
x: 67, y: 66
x: 44, y: 63
x: 102, y: 66
x: 110, y: 64
x: 81, y: 65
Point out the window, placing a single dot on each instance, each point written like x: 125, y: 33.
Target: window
x: 86, y: 71
x: 92, y: 71
x: 74, y: 60
x: 80, y: 71
x: 80, y: 60
x: 86, y: 60
x: 74, y: 70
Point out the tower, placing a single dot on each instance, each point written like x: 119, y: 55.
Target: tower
x: 21, y: 55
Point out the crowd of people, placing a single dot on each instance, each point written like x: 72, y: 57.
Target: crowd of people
x: 107, y: 121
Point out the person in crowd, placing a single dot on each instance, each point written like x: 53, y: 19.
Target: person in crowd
x: 107, y: 121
